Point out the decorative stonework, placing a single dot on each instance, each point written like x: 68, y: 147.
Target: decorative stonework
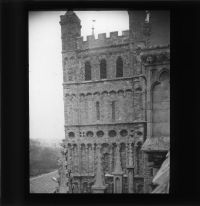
x: 108, y: 121
x: 157, y: 58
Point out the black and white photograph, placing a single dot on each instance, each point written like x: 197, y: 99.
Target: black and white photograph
x: 99, y: 96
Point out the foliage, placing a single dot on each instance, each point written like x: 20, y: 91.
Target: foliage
x: 43, y: 159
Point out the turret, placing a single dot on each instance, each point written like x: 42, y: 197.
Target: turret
x: 136, y: 25
x: 70, y: 30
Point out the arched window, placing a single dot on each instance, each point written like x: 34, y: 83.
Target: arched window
x: 103, y: 71
x: 87, y: 71
x: 119, y: 67
x: 71, y: 134
x: 113, y: 110
x: 97, y: 111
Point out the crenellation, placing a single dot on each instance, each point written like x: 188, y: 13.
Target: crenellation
x: 102, y: 36
x: 103, y: 41
x: 125, y: 33
x: 114, y: 34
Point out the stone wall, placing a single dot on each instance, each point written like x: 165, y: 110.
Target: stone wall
x: 74, y: 63
x: 116, y: 114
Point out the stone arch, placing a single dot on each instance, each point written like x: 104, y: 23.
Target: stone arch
x: 128, y: 91
x: 71, y: 134
x: 89, y: 133
x: 89, y: 94
x: 85, y: 187
x: 112, y: 93
x: 164, y: 75
x: 82, y: 95
x: 163, y: 70
x: 123, y: 133
x: 112, y: 133
x: 75, y: 187
x: 104, y: 93
x: 100, y: 133
x: 117, y: 185
x: 96, y: 94
x: 120, y: 92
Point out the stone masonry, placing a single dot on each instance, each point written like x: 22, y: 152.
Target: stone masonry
x: 116, y: 104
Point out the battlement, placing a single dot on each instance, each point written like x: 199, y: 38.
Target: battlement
x: 103, y: 41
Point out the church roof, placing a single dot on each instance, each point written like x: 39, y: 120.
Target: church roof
x: 44, y: 183
x: 156, y: 144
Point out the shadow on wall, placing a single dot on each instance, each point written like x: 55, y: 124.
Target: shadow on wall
x: 160, y: 32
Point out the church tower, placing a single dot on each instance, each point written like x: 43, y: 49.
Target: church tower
x: 110, y: 118
x: 70, y: 30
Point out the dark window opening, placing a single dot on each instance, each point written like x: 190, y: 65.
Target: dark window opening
x: 71, y: 134
x: 87, y: 71
x: 119, y: 67
x: 103, y: 71
x: 123, y: 133
x: 113, y: 110
x: 100, y: 133
x: 112, y: 133
x: 97, y: 111
x: 90, y: 134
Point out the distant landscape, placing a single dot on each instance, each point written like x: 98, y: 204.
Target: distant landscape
x: 43, y: 159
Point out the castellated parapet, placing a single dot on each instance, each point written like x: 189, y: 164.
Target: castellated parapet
x: 103, y: 41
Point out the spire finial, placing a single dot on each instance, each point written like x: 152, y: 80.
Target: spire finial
x: 93, y: 26
x: 147, y: 19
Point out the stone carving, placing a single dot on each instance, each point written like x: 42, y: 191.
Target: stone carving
x: 155, y: 58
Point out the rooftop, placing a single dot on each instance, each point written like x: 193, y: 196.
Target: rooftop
x: 43, y: 183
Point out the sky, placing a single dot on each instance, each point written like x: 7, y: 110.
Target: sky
x: 45, y: 66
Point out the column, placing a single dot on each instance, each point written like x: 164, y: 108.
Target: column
x: 147, y: 180
x: 118, y: 173
x: 87, y: 157
x: 99, y: 186
x: 111, y: 157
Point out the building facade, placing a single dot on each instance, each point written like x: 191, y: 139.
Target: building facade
x: 116, y: 104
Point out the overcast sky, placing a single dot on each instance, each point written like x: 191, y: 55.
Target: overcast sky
x: 45, y: 66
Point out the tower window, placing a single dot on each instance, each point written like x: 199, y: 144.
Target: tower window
x: 103, y: 71
x: 87, y: 71
x: 97, y: 111
x: 113, y: 110
x: 71, y: 134
x: 112, y: 133
x: 119, y: 67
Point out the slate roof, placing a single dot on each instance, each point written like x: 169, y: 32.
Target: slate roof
x: 156, y: 144
x: 43, y: 183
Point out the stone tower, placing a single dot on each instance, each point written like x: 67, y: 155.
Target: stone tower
x: 108, y: 117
